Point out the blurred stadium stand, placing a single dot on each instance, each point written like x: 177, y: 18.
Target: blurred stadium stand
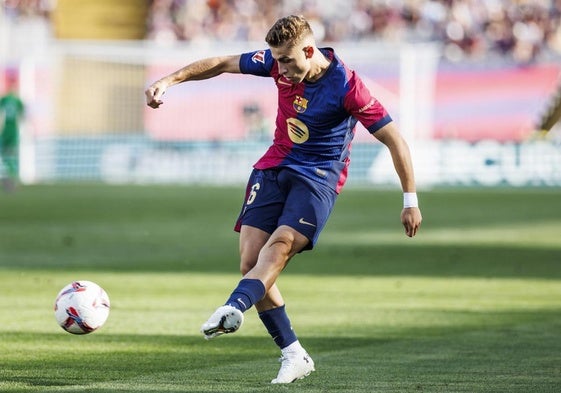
x: 523, y: 30
x: 468, y: 81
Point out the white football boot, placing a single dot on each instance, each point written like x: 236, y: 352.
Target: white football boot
x: 294, y: 365
x: 226, y: 319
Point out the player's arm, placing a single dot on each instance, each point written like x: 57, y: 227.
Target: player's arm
x: 199, y: 70
x: 390, y: 136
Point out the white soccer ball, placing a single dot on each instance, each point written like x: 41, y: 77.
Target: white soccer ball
x: 81, y: 307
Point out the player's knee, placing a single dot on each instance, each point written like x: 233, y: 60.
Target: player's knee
x: 248, y: 259
x: 287, y: 241
x: 281, y: 244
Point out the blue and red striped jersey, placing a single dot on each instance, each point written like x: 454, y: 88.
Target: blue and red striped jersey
x: 315, y: 122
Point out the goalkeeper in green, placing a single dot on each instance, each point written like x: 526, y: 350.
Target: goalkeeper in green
x: 11, y: 112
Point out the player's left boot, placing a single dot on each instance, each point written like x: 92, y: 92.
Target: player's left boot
x: 226, y: 319
x: 294, y: 365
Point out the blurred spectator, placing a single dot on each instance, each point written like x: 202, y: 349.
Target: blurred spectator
x: 27, y: 8
x: 161, y: 23
x: 256, y: 124
x: 522, y: 30
x: 469, y: 29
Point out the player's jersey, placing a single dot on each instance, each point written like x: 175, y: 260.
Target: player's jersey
x: 316, y: 121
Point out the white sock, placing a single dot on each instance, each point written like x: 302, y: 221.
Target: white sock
x: 294, y: 347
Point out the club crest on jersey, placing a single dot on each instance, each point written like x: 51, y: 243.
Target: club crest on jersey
x: 258, y: 57
x: 300, y: 104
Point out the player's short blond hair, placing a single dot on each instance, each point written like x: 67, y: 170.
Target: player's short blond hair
x: 288, y: 30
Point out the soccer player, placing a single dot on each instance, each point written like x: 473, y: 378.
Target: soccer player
x: 12, y: 111
x: 293, y: 186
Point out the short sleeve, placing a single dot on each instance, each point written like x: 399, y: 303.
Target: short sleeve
x: 363, y: 107
x: 258, y: 63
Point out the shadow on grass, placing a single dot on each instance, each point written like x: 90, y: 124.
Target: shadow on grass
x: 431, y: 261
x: 521, y: 353
x: 189, y: 229
x: 386, y: 260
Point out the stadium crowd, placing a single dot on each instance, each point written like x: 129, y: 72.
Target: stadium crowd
x: 523, y: 30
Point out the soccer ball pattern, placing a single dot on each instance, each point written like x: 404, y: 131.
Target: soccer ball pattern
x: 81, y: 307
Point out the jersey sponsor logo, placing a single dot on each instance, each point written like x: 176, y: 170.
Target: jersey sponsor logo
x: 258, y: 57
x: 297, y: 131
x: 300, y: 104
x: 365, y: 107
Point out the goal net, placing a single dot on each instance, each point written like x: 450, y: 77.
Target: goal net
x: 90, y: 121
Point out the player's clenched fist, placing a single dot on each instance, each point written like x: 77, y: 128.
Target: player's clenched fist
x: 154, y: 94
x: 411, y: 219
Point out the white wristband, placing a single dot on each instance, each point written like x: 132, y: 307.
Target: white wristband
x: 410, y: 200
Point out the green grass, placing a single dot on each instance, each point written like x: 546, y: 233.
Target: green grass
x: 473, y: 304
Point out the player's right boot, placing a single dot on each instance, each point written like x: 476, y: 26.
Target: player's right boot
x: 226, y: 319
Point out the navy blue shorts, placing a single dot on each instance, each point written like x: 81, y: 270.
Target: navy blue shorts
x: 281, y: 196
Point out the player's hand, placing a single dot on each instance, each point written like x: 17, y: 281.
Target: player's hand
x: 411, y: 219
x: 154, y: 94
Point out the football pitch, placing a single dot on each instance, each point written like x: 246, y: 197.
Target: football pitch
x: 472, y: 304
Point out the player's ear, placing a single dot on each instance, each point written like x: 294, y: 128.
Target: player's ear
x: 309, y: 51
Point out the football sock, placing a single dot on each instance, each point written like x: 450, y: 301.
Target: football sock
x: 247, y: 293
x: 294, y: 347
x: 278, y: 325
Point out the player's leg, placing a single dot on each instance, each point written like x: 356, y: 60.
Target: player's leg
x: 304, y: 215
x: 284, y: 243
x: 296, y: 363
x: 271, y: 308
x: 262, y: 206
x: 306, y: 211
x: 273, y: 258
x: 9, y: 157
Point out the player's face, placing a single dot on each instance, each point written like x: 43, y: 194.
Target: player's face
x: 294, y: 63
